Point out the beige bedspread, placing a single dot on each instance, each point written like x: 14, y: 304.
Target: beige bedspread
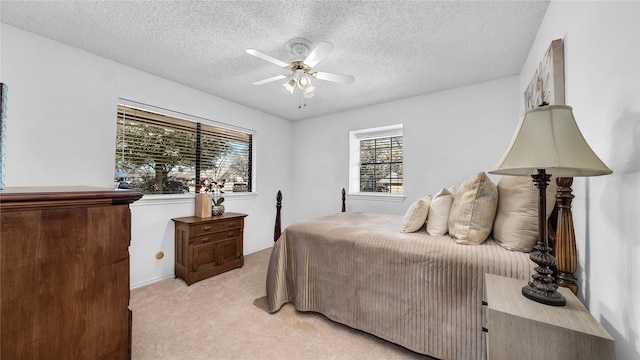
x: 419, y: 291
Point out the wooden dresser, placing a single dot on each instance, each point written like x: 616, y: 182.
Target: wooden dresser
x: 208, y: 246
x: 522, y: 329
x: 64, y: 259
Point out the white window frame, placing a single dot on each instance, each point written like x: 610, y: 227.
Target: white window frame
x: 354, y: 161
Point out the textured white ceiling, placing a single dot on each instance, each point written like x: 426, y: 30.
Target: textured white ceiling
x: 395, y: 49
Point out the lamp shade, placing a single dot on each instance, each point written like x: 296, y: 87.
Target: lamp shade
x: 548, y: 138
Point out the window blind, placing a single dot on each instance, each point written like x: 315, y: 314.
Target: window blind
x: 381, y: 165
x: 161, y: 154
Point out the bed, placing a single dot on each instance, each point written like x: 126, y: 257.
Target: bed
x: 419, y: 290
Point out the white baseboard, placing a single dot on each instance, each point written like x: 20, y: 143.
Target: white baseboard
x: 172, y: 276
x: 258, y: 249
x: 149, y: 282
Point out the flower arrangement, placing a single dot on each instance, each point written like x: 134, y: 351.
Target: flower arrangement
x: 214, y: 188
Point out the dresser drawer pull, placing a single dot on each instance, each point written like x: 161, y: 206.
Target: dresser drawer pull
x: 230, y: 234
x: 206, y: 240
x: 206, y: 228
x: 232, y: 224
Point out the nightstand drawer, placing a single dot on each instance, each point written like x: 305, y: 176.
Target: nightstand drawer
x: 209, y: 228
x: 213, y: 237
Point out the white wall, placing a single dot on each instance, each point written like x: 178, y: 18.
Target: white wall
x: 448, y: 136
x: 602, y: 81
x: 61, y: 131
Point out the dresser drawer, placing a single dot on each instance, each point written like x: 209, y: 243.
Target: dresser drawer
x: 213, y: 237
x: 201, y: 229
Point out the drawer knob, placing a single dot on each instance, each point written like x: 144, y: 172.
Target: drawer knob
x: 230, y: 234
x: 231, y: 224
x: 206, y: 228
x: 206, y: 240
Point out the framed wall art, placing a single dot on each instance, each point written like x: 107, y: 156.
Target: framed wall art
x: 547, y: 84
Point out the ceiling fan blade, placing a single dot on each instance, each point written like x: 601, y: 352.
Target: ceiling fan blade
x: 266, y: 57
x: 323, y: 49
x: 345, y: 79
x: 270, y: 79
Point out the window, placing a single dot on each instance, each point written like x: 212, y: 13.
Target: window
x: 376, y: 160
x: 158, y: 153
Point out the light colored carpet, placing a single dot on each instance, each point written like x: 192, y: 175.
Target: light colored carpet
x: 216, y: 319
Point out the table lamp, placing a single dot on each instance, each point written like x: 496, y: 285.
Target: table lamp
x: 547, y: 139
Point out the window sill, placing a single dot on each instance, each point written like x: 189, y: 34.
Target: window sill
x: 149, y: 200
x: 376, y: 197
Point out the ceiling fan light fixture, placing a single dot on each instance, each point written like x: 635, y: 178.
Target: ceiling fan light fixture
x: 290, y: 85
x: 304, y: 82
x: 300, y: 76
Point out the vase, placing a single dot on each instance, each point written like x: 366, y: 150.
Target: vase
x: 217, y: 210
x: 203, y: 206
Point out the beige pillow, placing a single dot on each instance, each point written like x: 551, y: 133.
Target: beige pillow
x: 416, y: 215
x: 516, y: 223
x: 439, y: 213
x: 473, y: 210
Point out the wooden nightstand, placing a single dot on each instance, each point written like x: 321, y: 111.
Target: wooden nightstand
x: 524, y: 329
x: 208, y: 246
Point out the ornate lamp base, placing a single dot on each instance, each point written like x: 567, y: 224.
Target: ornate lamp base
x: 541, y: 287
x: 553, y: 299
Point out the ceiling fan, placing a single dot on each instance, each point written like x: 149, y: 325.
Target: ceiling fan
x: 300, y: 70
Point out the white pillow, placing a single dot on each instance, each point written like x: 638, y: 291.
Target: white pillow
x: 438, y: 217
x: 416, y: 215
x: 473, y: 210
x: 516, y: 224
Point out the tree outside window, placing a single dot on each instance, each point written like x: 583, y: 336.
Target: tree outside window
x: 160, y: 154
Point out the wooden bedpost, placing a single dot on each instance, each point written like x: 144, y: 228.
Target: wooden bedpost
x: 344, y: 199
x: 564, y: 247
x: 277, y: 230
